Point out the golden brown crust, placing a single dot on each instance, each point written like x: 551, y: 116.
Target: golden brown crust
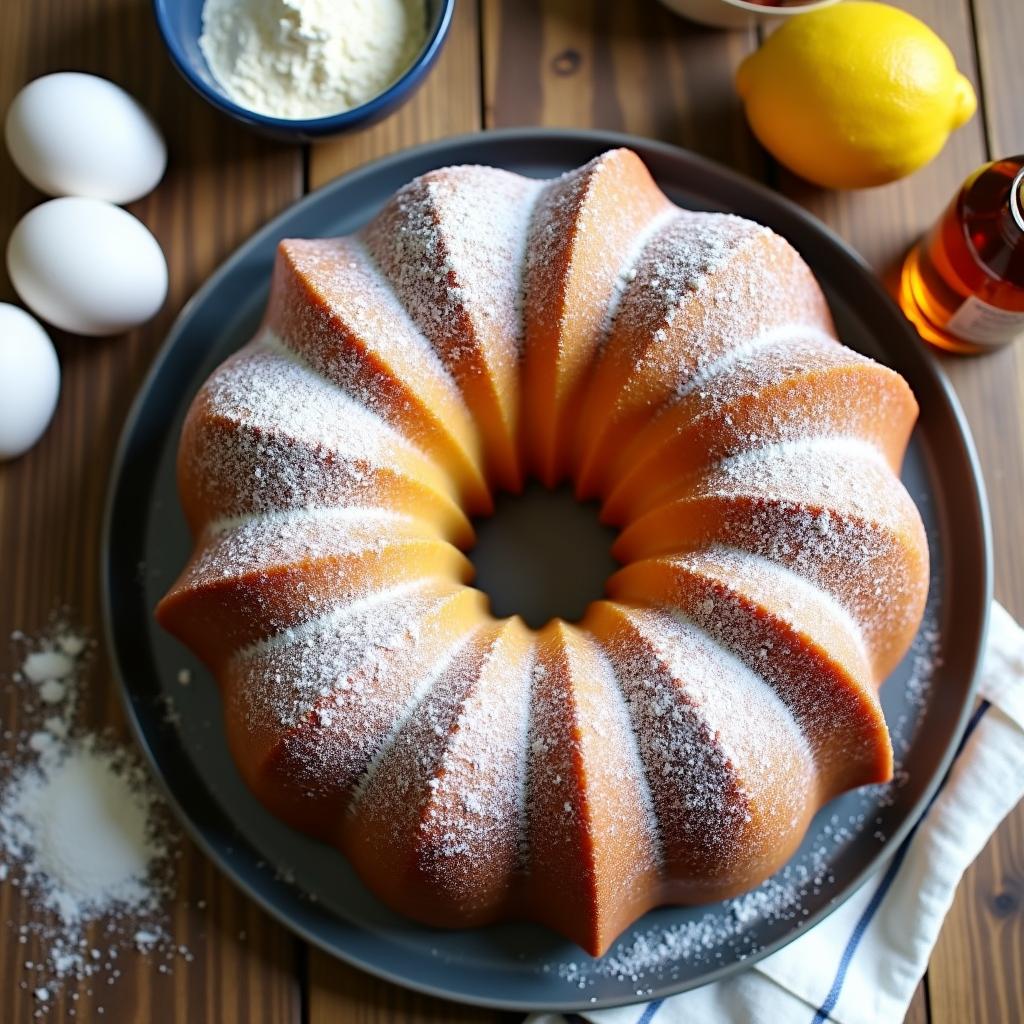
x: 680, y: 366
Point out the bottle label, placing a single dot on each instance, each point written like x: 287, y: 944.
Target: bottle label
x: 983, y: 324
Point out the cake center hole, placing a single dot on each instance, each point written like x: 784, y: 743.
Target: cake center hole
x: 542, y: 555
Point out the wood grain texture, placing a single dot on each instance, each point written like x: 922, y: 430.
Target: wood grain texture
x: 221, y: 185
x: 624, y: 67
x: 344, y: 995
x: 999, y: 29
x: 917, y: 1012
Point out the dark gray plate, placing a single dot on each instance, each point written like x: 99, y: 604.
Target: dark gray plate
x: 521, y: 966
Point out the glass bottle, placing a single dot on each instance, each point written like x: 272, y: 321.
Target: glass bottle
x: 963, y: 283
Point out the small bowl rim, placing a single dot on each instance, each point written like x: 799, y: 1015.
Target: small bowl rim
x: 316, y: 125
x: 766, y: 11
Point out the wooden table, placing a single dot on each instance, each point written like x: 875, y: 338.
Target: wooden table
x: 626, y: 66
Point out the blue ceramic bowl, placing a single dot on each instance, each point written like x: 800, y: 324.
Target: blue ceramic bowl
x: 180, y: 23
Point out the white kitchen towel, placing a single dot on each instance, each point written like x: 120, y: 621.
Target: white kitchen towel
x: 862, y: 964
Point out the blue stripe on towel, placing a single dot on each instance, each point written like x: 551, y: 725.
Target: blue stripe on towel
x: 649, y: 1011
x: 883, y: 887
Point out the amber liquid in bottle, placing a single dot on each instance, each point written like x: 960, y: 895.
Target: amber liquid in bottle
x: 963, y: 283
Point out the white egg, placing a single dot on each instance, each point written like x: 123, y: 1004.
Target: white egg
x: 72, y: 134
x: 29, y: 381
x: 87, y: 266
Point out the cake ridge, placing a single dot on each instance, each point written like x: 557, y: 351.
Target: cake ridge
x: 426, y: 242
x: 670, y: 685
x: 685, y: 306
x: 623, y: 709
x: 271, y: 342
x: 704, y: 374
x: 748, y: 458
x: 422, y: 691
x: 752, y: 615
x: 785, y: 577
x: 660, y: 222
x: 382, y: 289
x: 445, y: 798
x: 828, y: 509
x: 267, y: 430
x: 806, y: 387
x: 585, y: 228
x: 327, y: 618
x: 356, y: 513
x: 332, y: 303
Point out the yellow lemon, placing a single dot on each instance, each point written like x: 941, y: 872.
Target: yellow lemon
x: 854, y: 95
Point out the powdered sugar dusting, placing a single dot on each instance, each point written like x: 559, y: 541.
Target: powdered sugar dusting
x: 331, y: 304
x: 802, y: 388
x: 248, y: 543
x: 737, y: 928
x: 319, y: 659
x: 452, y: 244
x: 705, y: 284
x: 704, y: 721
x: 792, y: 635
x: 829, y: 509
x: 270, y: 433
x: 673, y: 746
x: 447, y: 793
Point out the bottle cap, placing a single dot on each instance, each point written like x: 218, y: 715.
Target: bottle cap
x: 1017, y: 199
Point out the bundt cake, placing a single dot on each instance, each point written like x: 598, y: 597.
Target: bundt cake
x: 682, y: 367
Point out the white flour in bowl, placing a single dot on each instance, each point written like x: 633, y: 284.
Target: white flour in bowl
x: 309, y: 58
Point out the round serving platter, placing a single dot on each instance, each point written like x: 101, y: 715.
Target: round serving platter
x: 311, y: 888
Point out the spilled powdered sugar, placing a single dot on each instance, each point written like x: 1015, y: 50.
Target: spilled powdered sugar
x: 83, y: 833
x: 652, y: 956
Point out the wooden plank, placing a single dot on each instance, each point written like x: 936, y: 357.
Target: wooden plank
x: 344, y: 995
x: 625, y: 67
x: 222, y: 183
x: 917, y: 1012
x: 975, y: 974
x: 1000, y: 28
x: 448, y: 103
x: 975, y: 971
